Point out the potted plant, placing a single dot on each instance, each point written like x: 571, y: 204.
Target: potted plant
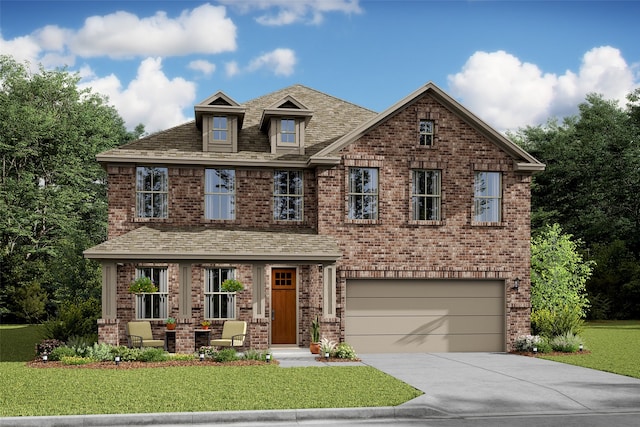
x: 314, y: 347
x: 142, y: 284
x: 170, y: 323
x: 231, y: 285
x: 205, y: 324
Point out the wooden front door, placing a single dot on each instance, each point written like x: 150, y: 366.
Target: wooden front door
x: 283, y: 306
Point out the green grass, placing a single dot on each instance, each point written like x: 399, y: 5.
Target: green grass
x: 60, y: 391
x: 66, y: 391
x: 17, y: 342
x: 613, y: 347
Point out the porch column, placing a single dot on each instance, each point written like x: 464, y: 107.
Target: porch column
x: 109, y: 287
x: 329, y: 291
x: 184, y: 291
x: 259, y: 291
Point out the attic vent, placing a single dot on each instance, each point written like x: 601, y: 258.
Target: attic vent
x: 219, y: 101
x: 289, y: 104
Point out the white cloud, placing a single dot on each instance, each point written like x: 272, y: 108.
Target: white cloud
x: 280, y: 61
x: 231, y: 68
x: 151, y: 98
x: 290, y: 12
x: 22, y: 49
x: 205, y: 67
x: 204, y: 29
x: 509, y: 93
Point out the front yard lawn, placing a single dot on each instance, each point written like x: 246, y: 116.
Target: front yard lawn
x: 613, y: 346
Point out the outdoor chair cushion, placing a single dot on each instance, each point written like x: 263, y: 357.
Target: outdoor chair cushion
x: 233, y: 334
x: 139, y: 335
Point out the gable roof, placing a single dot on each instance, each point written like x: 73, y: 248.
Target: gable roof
x: 524, y: 162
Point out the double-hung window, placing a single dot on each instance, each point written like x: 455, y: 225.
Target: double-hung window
x: 425, y: 195
x: 287, y: 195
x: 426, y: 133
x: 152, y: 192
x: 219, y: 130
x: 153, y: 305
x: 220, y: 194
x: 288, y: 131
x: 487, y: 206
x: 218, y: 304
x: 363, y: 193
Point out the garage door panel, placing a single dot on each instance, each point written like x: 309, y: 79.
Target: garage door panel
x: 426, y: 344
x: 390, y: 288
x: 425, y: 315
x: 423, y: 306
x: 422, y: 325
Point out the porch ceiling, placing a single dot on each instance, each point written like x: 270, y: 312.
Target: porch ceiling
x: 205, y: 244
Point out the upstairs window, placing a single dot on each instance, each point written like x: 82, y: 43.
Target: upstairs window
x: 287, y: 195
x: 220, y: 194
x: 426, y: 133
x: 363, y: 193
x: 219, y: 129
x: 218, y: 304
x: 152, y: 192
x: 425, y: 195
x: 288, y: 131
x: 153, y: 305
x: 487, y: 206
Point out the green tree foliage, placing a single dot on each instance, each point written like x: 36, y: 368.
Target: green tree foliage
x: 590, y: 187
x: 52, y: 190
x: 558, y: 282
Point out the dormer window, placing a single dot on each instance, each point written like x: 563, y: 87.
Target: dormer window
x: 285, y: 123
x: 220, y: 129
x: 219, y: 118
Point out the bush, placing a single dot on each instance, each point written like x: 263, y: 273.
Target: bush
x: 563, y: 320
x: 99, y: 352
x: 75, y: 360
x: 75, y: 318
x: 327, y: 346
x: 63, y: 351
x: 126, y: 354
x: 47, y: 346
x: 344, y: 351
x: 567, y: 343
x: 153, y: 355
x: 252, y: 354
x: 225, y: 355
x: 181, y: 356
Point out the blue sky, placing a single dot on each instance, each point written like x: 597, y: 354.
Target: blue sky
x: 512, y: 63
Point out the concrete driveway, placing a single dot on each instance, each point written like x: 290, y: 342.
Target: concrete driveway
x: 463, y: 384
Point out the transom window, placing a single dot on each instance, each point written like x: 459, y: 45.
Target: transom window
x: 153, y: 305
x: 425, y: 195
x: 220, y: 128
x: 426, y: 132
x: 287, y: 195
x: 487, y: 205
x: 218, y: 304
x: 288, y: 131
x: 363, y: 193
x: 220, y: 194
x: 152, y: 190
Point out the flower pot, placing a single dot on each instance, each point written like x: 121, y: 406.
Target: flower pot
x: 314, y: 347
x: 171, y: 326
x: 205, y: 328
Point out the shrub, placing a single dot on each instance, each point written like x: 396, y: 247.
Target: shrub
x: 153, y: 355
x: 527, y: 342
x: 567, y: 343
x: 344, y: 351
x: 99, y: 352
x: 226, y: 355
x: 75, y: 318
x: 75, y: 360
x: 47, y: 346
x: 126, y: 354
x: 252, y: 354
x: 181, y: 356
x: 208, y: 351
x: 563, y: 320
x: 63, y: 351
x: 327, y: 346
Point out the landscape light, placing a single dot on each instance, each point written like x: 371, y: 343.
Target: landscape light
x: 118, y: 360
x: 201, y: 357
x: 268, y: 357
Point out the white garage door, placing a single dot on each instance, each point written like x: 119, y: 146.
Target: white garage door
x: 389, y: 316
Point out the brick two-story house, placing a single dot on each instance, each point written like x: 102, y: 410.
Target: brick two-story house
x: 404, y: 231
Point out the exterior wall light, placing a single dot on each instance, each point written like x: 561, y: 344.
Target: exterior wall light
x: 516, y: 283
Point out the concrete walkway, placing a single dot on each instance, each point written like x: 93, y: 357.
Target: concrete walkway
x: 456, y: 385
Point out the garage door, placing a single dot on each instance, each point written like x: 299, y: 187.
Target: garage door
x: 388, y: 316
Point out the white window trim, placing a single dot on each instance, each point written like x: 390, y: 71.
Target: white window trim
x: 437, y: 197
x: 232, y: 300
x: 477, y: 198
x: 141, y: 192
x: 289, y: 195
x: 231, y: 195
x: 162, y: 295
x: 351, y: 194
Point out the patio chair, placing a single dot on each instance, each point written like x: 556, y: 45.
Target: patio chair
x: 139, y: 335
x: 233, y: 334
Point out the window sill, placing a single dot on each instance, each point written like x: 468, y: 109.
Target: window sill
x: 426, y: 223
x: 498, y: 224
x: 363, y: 221
x: 157, y: 220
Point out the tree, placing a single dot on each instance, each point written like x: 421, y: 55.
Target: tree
x: 52, y: 190
x: 558, y: 282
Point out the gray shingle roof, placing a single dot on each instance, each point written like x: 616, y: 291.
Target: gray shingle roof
x: 332, y: 118
x: 205, y: 244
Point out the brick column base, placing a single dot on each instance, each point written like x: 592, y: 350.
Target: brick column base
x: 108, y: 332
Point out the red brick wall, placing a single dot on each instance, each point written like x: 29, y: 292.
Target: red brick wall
x: 395, y: 246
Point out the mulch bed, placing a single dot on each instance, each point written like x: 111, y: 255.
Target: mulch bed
x: 137, y: 365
